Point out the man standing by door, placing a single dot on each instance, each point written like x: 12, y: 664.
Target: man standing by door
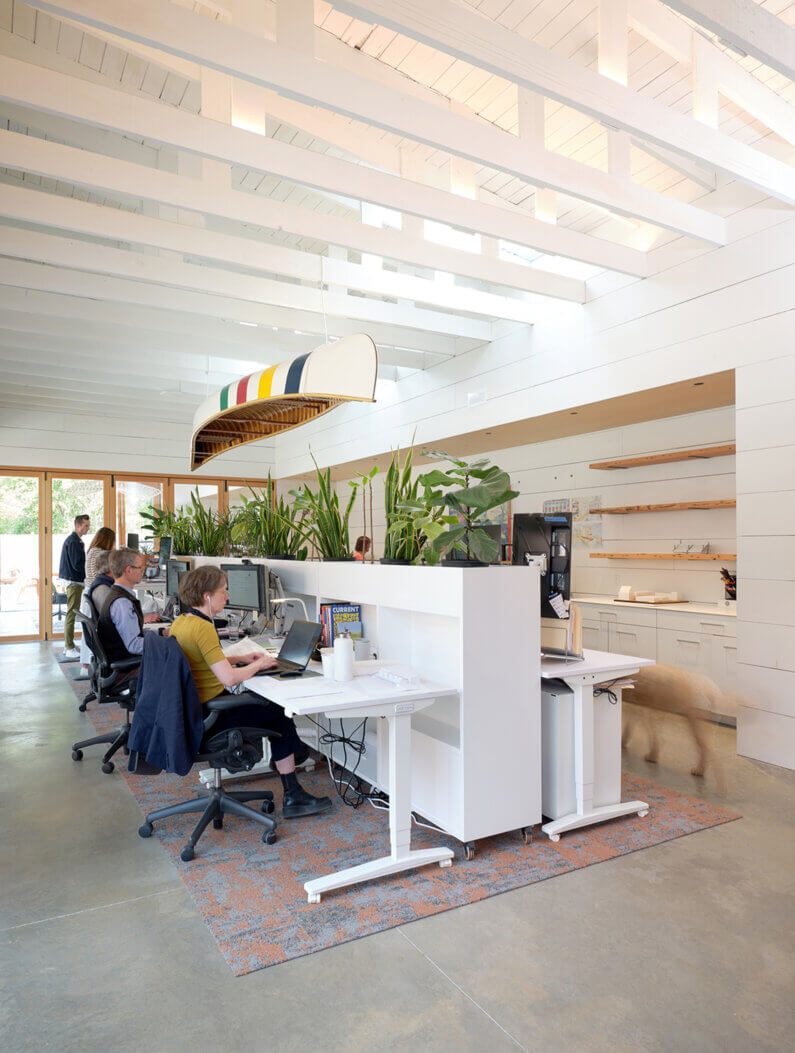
x: 72, y: 570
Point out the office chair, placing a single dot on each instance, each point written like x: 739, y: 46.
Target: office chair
x: 59, y: 598
x: 236, y: 749
x: 108, y: 684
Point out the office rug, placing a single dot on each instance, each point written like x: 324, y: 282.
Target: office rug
x: 251, y: 895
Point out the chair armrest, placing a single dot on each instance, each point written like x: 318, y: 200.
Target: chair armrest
x: 125, y: 664
x: 219, y: 705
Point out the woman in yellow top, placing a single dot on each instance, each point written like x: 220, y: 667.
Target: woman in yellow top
x: 203, y: 594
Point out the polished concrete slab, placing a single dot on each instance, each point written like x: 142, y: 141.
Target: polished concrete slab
x: 685, y: 945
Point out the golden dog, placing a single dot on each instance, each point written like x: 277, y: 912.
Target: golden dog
x: 673, y: 690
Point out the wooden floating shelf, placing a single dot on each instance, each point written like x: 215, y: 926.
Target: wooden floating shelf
x: 729, y: 557
x: 666, y: 458
x: 626, y: 510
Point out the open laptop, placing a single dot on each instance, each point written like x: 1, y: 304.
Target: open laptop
x: 296, y: 650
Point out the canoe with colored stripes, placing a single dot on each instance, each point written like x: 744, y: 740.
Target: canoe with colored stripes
x: 282, y: 397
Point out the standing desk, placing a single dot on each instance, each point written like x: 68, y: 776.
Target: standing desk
x: 357, y: 698
x: 598, y: 667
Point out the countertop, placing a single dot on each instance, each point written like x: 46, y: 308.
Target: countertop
x: 711, y: 609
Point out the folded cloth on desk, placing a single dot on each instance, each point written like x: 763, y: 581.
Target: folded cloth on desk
x: 241, y: 647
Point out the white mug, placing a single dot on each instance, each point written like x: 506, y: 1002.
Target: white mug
x: 327, y: 658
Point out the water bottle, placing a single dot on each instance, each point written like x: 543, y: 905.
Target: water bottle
x: 343, y: 657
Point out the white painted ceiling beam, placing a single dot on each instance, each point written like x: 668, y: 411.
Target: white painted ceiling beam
x: 100, y: 260
x: 263, y: 62
x: 83, y: 217
x: 465, y: 33
x: 72, y: 283
x: 747, y: 27
x: 24, y: 84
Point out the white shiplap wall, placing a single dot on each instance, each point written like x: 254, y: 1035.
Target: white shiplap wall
x: 35, y: 438
x: 559, y: 469
x: 766, y: 538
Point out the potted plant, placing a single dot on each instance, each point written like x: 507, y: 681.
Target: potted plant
x: 163, y: 522
x: 404, y: 512
x: 322, y: 522
x: 468, y: 491
x: 365, y: 480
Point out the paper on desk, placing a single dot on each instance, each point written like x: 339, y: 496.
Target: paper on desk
x: 241, y: 647
x: 315, y: 687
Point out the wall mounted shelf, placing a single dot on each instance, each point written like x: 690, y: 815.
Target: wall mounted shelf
x: 626, y: 510
x: 729, y: 557
x: 666, y: 458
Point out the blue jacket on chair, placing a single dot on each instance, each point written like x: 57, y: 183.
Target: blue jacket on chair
x: 167, y: 723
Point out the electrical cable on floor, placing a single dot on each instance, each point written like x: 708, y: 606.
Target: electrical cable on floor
x: 350, y: 789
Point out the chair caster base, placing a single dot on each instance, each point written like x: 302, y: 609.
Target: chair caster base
x: 218, y: 823
x: 145, y: 830
x: 187, y: 854
x: 108, y: 767
x: 269, y: 837
x: 267, y: 807
x: 77, y: 755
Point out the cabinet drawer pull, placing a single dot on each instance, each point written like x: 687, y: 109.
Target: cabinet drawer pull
x: 712, y: 625
x: 695, y: 643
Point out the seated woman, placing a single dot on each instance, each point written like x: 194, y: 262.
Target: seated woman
x: 203, y: 594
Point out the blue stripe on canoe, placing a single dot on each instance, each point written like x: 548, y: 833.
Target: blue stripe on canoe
x: 293, y: 382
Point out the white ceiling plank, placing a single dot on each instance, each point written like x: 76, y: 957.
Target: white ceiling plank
x: 69, y: 165
x: 747, y: 27
x: 260, y: 61
x: 343, y: 320
x: 32, y: 206
x: 466, y: 34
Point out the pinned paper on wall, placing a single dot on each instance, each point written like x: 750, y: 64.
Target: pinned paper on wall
x: 586, y: 527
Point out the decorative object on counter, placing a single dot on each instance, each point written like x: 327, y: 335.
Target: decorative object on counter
x: 626, y: 593
x: 284, y: 396
x: 685, y: 547
x: 655, y: 597
x: 468, y: 491
x: 729, y: 584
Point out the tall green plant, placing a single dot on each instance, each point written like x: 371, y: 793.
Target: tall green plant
x: 210, y: 529
x: 404, y: 532
x: 163, y: 522
x: 468, y: 491
x: 267, y: 526
x: 321, y: 521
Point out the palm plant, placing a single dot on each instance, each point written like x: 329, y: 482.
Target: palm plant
x: 321, y: 522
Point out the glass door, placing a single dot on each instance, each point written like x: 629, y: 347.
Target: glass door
x: 21, y: 556
x: 134, y: 496
x: 70, y: 496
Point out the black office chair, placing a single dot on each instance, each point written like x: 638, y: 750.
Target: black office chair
x: 59, y: 599
x: 109, y: 684
x: 235, y: 749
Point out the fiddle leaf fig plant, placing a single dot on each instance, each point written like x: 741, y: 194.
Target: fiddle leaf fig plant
x: 467, y: 491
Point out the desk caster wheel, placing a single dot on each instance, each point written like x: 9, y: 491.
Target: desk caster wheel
x: 554, y: 837
x: 187, y: 854
x: 267, y: 807
x: 108, y: 767
x: 82, y: 707
x: 269, y: 837
x: 145, y: 830
x: 527, y: 834
x: 77, y: 755
x: 469, y: 850
x: 313, y: 897
x: 218, y: 822
x: 643, y: 813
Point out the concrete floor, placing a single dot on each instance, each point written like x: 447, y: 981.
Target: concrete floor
x: 688, y: 945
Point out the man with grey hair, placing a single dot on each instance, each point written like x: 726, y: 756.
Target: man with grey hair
x: 121, y: 620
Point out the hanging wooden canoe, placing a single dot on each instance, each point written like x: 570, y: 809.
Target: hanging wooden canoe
x: 282, y: 397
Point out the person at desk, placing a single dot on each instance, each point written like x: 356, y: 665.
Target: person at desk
x: 96, y: 591
x: 121, y: 620
x: 203, y: 594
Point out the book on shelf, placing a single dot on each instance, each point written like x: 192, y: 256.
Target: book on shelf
x: 338, y: 617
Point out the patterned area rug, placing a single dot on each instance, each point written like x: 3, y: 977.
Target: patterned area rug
x: 252, y: 898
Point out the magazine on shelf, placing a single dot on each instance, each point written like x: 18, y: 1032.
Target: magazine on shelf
x: 339, y: 617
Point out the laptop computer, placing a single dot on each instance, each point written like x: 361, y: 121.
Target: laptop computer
x: 296, y: 650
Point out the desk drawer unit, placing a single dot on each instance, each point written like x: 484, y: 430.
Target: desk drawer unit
x: 640, y: 641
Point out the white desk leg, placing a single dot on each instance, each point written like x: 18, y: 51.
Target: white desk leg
x: 586, y: 814
x: 401, y: 856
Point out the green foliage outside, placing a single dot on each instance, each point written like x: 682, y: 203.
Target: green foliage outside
x: 19, y: 504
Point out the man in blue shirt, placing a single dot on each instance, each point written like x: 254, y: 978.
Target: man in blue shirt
x: 121, y: 620
x: 72, y: 570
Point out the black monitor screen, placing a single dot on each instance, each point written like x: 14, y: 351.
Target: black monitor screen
x: 300, y: 642
x: 164, y: 554
x: 173, y: 568
x: 132, y: 541
x: 546, y: 535
x: 246, y: 584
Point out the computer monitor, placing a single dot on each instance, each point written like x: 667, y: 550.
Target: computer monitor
x: 164, y: 551
x: 132, y: 541
x: 540, y: 534
x: 173, y: 569
x: 247, y: 584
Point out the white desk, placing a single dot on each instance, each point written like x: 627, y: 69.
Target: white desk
x: 598, y: 667
x: 367, y: 697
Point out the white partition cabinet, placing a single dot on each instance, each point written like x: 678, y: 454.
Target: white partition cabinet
x: 476, y: 759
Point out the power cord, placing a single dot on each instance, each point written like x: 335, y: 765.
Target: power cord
x: 607, y: 689
x: 349, y: 785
